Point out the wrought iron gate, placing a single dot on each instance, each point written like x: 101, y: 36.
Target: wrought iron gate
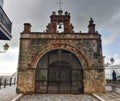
x: 59, y: 71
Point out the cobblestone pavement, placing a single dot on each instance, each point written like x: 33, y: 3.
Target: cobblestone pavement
x: 8, y: 93
x: 110, y: 96
x: 57, y: 97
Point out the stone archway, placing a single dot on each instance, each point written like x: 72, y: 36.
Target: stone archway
x: 35, y: 59
x: 59, y: 71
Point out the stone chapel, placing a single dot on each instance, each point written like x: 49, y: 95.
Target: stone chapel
x: 60, y: 60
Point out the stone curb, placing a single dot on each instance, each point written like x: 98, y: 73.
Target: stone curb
x: 98, y: 97
x: 17, y: 97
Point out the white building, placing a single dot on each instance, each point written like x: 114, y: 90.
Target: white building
x: 13, y: 78
x: 1, y: 3
x: 5, y: 24
x: 109, y: 69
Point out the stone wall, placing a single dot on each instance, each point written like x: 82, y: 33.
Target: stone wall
x: 86, y: 47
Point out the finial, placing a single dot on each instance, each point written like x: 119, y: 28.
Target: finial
x: 60, y: 4
x: 91, y: 18
x: 91, y: 26
x: 91, y: 21
x: 54, y: 13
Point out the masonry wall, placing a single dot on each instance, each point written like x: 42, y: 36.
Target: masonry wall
x: 87, y: 48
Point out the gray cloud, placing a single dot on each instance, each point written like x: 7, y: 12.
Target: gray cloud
x: 37, y: 12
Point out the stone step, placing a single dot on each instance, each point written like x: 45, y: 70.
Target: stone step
x: 57, y: 97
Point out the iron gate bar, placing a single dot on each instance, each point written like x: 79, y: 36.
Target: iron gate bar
x: 59, y: 54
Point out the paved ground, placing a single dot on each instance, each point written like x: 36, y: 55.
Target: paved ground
x: 8, y: 93
x: 57, y: 97
x: 110, y: 96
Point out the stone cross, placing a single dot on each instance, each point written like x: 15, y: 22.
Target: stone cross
x: 60, y: 4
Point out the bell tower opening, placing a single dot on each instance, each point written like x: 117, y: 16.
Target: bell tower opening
x: 60, y: 27
x: 60, y: 23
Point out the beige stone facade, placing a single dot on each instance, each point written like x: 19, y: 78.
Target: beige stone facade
x: 86, y: 47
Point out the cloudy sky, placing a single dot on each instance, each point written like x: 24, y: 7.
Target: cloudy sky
x: 106, y: 14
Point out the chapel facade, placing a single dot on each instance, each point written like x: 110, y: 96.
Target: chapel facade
x: 60, y: 60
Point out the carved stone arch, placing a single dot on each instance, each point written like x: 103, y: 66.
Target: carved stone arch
x: 63, y: 46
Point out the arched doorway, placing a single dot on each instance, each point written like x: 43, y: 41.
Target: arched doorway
x: 59, y: 71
